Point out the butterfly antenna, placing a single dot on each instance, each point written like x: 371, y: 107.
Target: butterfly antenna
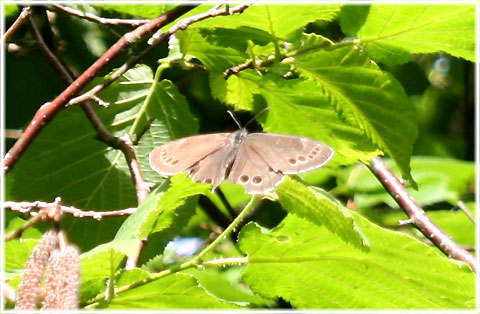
x: 258, y: 115
x: 234, y: 118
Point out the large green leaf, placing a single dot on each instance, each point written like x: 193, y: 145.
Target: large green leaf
x: 309, y: 267
x: 280, y: 21
x: 366, y: 97
x: 163, y: 214
x: 391, y: 33
x: 67, y: 161
x: 177, y: 291
x: 300, y: 107
x: 320, y: 208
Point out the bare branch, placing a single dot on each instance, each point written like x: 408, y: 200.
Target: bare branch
x: 417, y: 215
x: 142, y: 187
x: 97, y: 19
x: 49, y: 55
x: 49, y: 110
x: 126, y: 146
x: 29, y: 207
x: 22, y: 18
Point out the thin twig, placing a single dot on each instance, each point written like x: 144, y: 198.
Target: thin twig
x: 48, y: 54
x: 22, y: 18
x: 464, y: 209
x: 28, y: 207
x: 418, y: 216
x: 49, y: 212
x: 97, y: 19
x: 30, y: 223
x: 49, y: 110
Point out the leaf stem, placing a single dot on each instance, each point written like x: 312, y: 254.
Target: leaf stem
x: 194, y: 262
x: 241, y: 216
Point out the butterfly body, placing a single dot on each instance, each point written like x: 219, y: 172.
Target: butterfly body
x: 258, y: 161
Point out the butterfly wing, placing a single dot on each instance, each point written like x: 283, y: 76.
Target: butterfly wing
x: 289, y: 154
x: 251, y: 171
x: 179, y: 155
x: 213, y: 167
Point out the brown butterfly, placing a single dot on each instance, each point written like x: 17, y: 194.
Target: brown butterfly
x: 258, y: 161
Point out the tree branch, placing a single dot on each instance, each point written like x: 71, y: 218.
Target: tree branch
x: 49, y: 110
x: 21, y: 19
x: 97, y: 19
x: 28, y: 207
x: 417, y: 215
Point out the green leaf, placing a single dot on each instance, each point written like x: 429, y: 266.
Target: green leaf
x: 309, y: 267
x: 130, y: 276
x: 366, y: 97
x: 311, y: 114
x: 147, y: 11
x: 236, y: 38
x: 280, y: 21
x: 215, y: 282
x: 96, y: 266
x: 17, y: 253
x: 392, y: 33
x: 241, y: 89
x: 318, y: 207
x: 215, y: 58
x: 352, y: 18
x: 67, y: 161
x: 177, y: 291
x: 163, y: 213
x: 310, y: 42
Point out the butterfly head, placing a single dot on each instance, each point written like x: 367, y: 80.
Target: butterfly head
x: 239, y: 136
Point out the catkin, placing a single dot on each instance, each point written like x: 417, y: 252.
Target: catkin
x: 62, y: 282
x: 28, y: 292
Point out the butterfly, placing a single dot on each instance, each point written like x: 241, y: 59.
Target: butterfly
x: 258, y: 161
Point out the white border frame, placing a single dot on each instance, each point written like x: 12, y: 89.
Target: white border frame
x: 306, y: 2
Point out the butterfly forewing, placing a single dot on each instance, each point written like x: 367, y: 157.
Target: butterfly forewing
x: 289, y: 154
x: 251, y: 171
x: 181, y: 154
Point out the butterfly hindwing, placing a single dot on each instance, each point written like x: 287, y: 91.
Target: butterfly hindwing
x: 179, y: 155
x: 289, y: 154
x: 251, y: 171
